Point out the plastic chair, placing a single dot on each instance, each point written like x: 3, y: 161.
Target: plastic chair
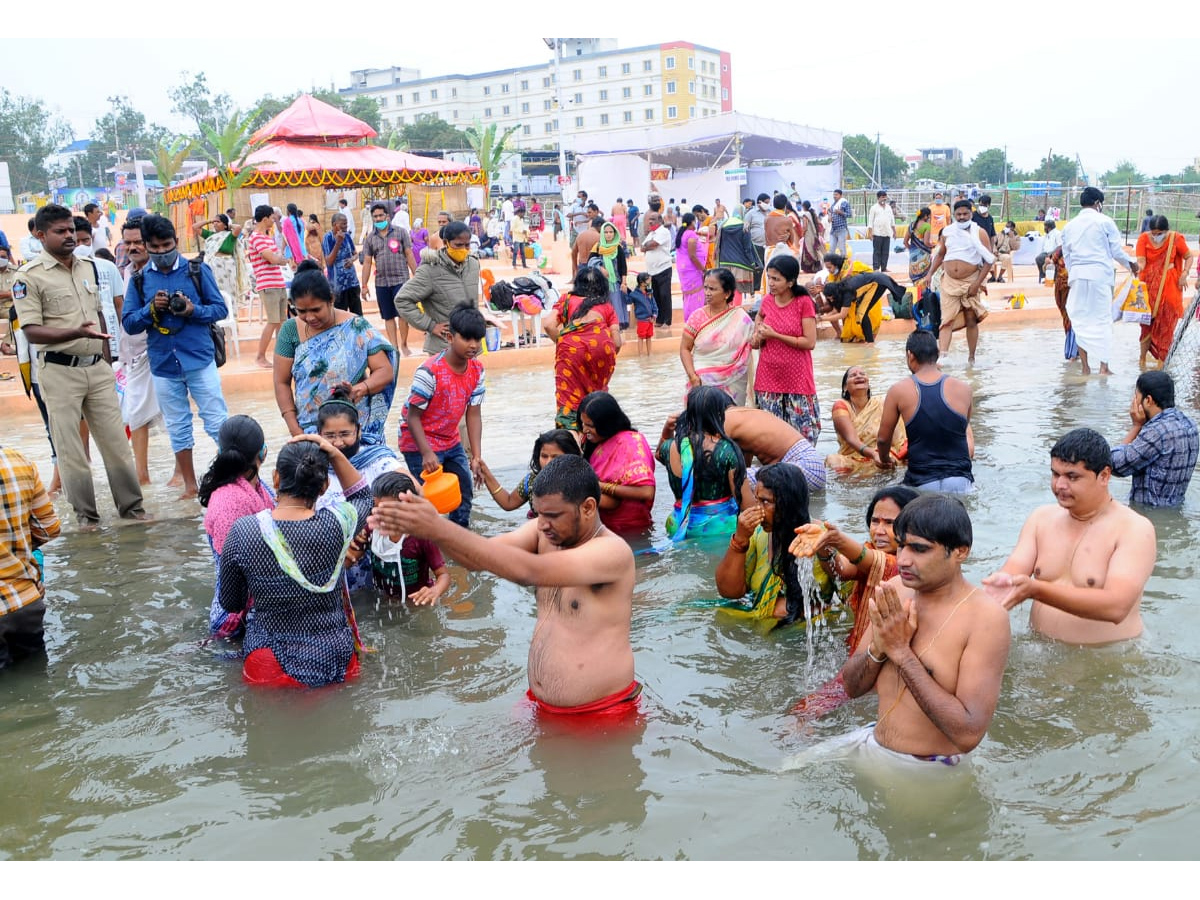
x: 230, y: 323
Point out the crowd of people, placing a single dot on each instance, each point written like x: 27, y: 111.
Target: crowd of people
x: 353, y: 506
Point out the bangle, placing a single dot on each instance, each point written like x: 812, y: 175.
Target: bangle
x: 284, y: 414
x: 830, y: 556
x: 861, y: 556
x: 878, y: 660
x: 738, y: 548
x: 494, y: 491
x: 862, y: 451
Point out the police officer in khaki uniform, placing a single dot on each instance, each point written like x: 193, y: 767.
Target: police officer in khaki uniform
x: 58, y: 303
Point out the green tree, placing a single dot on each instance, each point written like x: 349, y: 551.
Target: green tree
x: 168, y: 158
x: 892, y: 168
x: 29, y: 133
x: 989, y: 166
x: 193, y: 99
x: 489, y: 149
x: 1124, y: 173
x: 120, y: 134
x: 227, y: 149
x: 365, y: 108
x: 267, y: 107
x: 431, y: 133
x: 1054, y: 168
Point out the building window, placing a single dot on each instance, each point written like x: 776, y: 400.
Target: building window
x: 549, y: 128
x: 672, y: 112
x: 577, y: 74
x: 525, y: 129
x: 556, y: 124
x: 628, y: 116
x: 649, y: 115
x: 525, y: 84
x: 524, y: 107
x: 383, y: 102
x: 724, y: 93
x: 416, y: 96
x: 647, y: 65
x: 603, y: 95
x: 507, y: 110
x: 579, y: 121
x: 691, y: 87
x: 691, y: 112
x: 625, y: 68
x: 603, y: 118
x: 456, y: 114
x: 433, y: 94
x: 547, y: 105
x: 670, y: 87
x: 453, y: 92
x: 670, y: 62
x: 626, y: 93
x: 578, y: 98
x: 504, y: 88
x: 602, y: 72
x: 487, y: 112
x: 400, y: 120
x: 648, y: 90
x: 546, y: 82
x: 399, y: 99
x: 692, y: 62
x: 487, y: 90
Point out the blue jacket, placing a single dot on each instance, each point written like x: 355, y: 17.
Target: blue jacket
x: 189, y: 345
x: 644, y: 307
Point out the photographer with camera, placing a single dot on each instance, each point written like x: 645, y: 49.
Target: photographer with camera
x: 174, y: 302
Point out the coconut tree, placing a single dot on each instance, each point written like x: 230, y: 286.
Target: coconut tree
x: 489, y: 149
x: 168, y: 159
x: 226, y: 150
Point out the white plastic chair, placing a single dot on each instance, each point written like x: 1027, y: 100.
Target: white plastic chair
x: 230, y: 323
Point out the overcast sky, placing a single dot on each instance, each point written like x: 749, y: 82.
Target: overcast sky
x: 1074, y: 88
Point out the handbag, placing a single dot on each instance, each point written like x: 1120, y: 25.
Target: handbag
x: 218, y: 339
x: 1070, y: 348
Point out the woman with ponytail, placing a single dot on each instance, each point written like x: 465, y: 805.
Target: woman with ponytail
x: 290, y: 560
x: 229, y: 490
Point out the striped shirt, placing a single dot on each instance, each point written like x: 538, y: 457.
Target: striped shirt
x: 30, y: 521
x: 266, y: 275
x: 443, y: 395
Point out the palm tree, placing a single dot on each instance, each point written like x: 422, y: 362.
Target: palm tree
x: 227, y: 150
x: 168, y: 159
x: 488, y: 149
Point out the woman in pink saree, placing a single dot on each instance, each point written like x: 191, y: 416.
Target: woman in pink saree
x: 691, y: 252
x: 622, y: 460
x: 715, y: 348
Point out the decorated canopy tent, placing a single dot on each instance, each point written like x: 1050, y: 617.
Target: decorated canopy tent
x: 311, y: 154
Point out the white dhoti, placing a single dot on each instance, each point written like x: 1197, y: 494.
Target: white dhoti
x: 135, y: 383
x: 1089, y: 304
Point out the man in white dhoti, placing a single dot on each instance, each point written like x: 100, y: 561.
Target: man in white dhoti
x: 1090, y: 244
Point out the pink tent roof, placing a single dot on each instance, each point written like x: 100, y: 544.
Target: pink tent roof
x: 289, y: 157
x: 309, y: 119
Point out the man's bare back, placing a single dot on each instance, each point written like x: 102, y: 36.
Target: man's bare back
x: 760, y: 434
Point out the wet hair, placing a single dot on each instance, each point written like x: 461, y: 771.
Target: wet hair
x: 788, y: 268
x: 560, y: 438
x: 339, y: 405
x: 935, y: 517
x: 310, y: 281
x: 1158, y: 223
x: 1083, y: 445
x: 379, y: 205
x: 923, y: 346
x: 963, y: 204
x: 835, y: 259
x: 1159, y: 387
x: 704, y: 414
x: 303, y: 469
x: 239, y: 445
x: 452, y: 230
x: 570, y: 476
x: 392, y: 484
x: 726, y: 279
x: 263, y: 211
x: 82, y: 224
x: 846, y: 381
x: 900, y: 494
x: 49, y: 215
x: 592, y: 285
x: 788, y: 485
x: 684, y: 221
x: 1090, y: 196
x: 468, y: 322
x: 607, y: 417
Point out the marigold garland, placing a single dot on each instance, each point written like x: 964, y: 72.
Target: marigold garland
x: 343, y: 178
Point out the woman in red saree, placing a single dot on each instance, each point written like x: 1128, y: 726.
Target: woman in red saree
x: 1162, y: 257
x: 587, y: 338
x: 623, y: 461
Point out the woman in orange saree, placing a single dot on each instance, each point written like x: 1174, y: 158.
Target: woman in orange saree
x: 1162, y: 257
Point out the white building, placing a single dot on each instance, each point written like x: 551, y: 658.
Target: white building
x: 603, y: 89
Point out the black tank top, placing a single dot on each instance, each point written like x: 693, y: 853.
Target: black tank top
x: 937, y: 438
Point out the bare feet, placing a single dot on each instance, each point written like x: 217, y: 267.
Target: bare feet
x: 404, y: 351
x: 263, y: 364
x: 189, y: 493
x: 139, y: 517
x: 176, y: 480
x: 143, y: 478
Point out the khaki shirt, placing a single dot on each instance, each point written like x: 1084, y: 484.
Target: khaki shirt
x: 48, y: 293
x: 7, y: 277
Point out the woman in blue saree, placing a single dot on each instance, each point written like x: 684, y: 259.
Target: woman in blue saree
x: 323, y: 348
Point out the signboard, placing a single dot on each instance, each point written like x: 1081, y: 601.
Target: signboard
x: 735, y: 176
x: 660, y: 173
x: 564, y: 180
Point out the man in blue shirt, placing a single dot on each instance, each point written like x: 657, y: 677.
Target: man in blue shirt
x: 179, y: 343
x: 338, y: 247
x: 1160, y: 449
x: 839, y: 223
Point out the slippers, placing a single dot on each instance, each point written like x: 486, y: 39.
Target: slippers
x: 6, y: 376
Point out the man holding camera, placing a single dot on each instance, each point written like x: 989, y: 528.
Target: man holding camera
x: 175, y: 308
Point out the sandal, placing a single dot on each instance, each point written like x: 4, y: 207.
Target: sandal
x: 6, y: 376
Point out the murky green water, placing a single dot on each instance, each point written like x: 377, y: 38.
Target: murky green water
x: 131, y: 741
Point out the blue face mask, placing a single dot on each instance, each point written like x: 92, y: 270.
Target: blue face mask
x: 382, y: 226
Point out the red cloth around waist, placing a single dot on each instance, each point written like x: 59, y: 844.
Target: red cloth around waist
x: 622, y: 701
x: 262, y: 668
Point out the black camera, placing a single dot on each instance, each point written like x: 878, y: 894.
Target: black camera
x: 178, y: 303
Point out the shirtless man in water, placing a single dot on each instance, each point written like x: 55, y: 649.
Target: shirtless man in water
x: 767, y: 437
x: 935, y: 660
x: 580, y: 658
x: 1085, y: 561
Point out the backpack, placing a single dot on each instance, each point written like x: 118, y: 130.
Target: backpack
x: 501, y: 296
x: 215, y: 331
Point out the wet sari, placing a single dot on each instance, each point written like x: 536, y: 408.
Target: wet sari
x: 625, y: 458
x: 340, y: 355
x: 866, y: 427
x: 721, y: 349
x: 1164, y: 265
x: 584, y: 357
x: 704, y: 506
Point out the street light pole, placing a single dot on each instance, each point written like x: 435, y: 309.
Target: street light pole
x: 555, y: 44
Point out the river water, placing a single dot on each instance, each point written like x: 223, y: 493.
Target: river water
x: 134, y: 741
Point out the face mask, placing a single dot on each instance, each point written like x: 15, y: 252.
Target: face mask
x: 83, y: 251
x: 458, y: 254
x: 764, y: 206
x: 381, y: 226
x: 965, y: 226
x: 164, y: 261
x: 983, y: 210
x: 3, y: 263
x: 1157, y: 239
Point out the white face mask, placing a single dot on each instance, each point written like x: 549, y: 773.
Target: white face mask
x: 3, y: 263
x: 83, y: 251
x: 963, y: 225
x: 1157, y: 239
x: 983, y: 210
x: 764, y: 206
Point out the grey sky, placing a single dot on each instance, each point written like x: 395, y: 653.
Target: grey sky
x: 823, y: 70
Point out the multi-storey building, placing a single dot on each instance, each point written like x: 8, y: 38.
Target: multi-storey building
x: 602, y: 88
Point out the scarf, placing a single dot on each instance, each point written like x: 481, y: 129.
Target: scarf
x: 608, y: 251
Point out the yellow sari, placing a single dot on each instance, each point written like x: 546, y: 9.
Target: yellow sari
x: 866, y: 427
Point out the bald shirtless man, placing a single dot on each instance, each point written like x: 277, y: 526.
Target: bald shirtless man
x: 580, y: 658
x: 935, y: 660
x: 1085, y: 561
x: 772, y: 440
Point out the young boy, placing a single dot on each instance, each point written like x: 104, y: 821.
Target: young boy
x: 414, y: 568
x: 645, y: 310
x: 443, y: 389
